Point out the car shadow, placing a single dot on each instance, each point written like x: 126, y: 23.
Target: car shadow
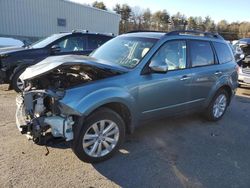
x: 150, y: 158
x: 183, y: 151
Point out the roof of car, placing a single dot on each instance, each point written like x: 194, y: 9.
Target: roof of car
x: 84, y: 33
x: 181, y: 33
x: 156, y: 35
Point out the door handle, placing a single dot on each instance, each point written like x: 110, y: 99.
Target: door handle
x: 218, y: 72
x: 185, y: 78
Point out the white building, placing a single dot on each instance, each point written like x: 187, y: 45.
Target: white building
x: 33, y: 19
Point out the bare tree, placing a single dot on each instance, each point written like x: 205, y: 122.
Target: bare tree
x: 137, y: 19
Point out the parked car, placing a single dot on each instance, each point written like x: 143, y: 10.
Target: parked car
x: 93, y: 101
x: 237, y: 51
x: 243, y: 45
x: 13, y: 61
x: 10, y: 42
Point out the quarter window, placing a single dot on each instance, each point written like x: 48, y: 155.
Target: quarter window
x: 223, y: 52
x: 201, y: 53
x: 173, y: 53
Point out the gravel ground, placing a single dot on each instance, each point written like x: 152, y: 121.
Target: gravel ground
x: 174, y: 152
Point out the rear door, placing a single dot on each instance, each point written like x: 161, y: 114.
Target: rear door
x: 95, y: 41
x: 205, y: 70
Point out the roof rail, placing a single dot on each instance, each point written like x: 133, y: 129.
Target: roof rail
x: 64, y: 32
x: 196, y: 32
x: 87, y: 31
x: 80, y: 31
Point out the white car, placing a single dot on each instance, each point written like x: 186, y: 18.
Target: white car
x: 10, y: 42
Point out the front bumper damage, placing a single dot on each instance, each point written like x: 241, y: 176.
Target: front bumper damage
x: 40, y: 124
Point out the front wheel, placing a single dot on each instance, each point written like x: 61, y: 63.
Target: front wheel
x: 101, y: 136
x: 217, y: 106
x: 16, y: 83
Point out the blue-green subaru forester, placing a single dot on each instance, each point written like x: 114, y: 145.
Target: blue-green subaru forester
x: 94, y: 101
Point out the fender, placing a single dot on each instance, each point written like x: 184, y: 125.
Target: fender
x: 223, y: 81
x: 90, y: 102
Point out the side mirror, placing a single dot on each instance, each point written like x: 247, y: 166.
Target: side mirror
x: 158, y: 67
x: 55, y: 49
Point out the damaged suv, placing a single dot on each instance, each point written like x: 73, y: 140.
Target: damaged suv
x: 94, y: 101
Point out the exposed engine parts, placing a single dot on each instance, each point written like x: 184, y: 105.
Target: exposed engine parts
x: 40, y: 113
x: 39, y: 107
x: 42, y: 117
x: 66, y: 77
x: 60, y: 126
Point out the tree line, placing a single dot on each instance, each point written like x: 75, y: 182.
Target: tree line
x: 135, y: 18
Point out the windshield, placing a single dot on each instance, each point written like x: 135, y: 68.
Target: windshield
x: 46, y: 41
x: 124, y: 51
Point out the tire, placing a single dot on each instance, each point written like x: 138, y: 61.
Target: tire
x: 210, y: 112
x: 106, y: 117
x: 15, y: 82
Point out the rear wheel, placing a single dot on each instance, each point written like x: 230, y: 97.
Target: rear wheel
x: 218, y: 106
x: 101, y: 136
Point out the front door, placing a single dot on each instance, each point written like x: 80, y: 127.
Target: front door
x: 165, y: 94
x: 73, y: 45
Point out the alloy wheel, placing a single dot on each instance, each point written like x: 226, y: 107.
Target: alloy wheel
x: 101, y: 138
x: 20, y: 84
x: 220, y: 105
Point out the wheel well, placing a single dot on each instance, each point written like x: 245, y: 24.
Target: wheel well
x: 16, y: 69
x: 123, y: 111
x: 228, y: 90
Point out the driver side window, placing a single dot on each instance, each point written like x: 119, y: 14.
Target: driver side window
x: 71, y: 44
x: 173, y: 53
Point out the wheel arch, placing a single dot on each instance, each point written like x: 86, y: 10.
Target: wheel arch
x: 123, y: 110
x: 217, y: 88
x: 17, y: 69
x: 228, y: 89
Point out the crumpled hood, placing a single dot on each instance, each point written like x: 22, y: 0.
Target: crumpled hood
x: 11, y: 49
x: 54, y: 62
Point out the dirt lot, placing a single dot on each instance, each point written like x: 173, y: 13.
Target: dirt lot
x: 175, y: 152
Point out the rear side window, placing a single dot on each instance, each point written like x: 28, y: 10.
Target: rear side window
x: 94, y: 41
x: 223, y: 52
x: 201, y: 53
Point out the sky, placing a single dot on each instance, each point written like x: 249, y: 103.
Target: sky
x: 229, y: 10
